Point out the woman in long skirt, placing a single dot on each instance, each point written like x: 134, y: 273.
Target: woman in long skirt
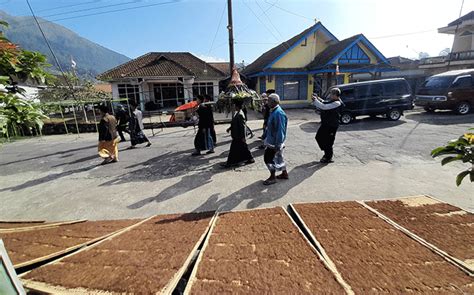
x: 108, y: 139
x: 239, y: 151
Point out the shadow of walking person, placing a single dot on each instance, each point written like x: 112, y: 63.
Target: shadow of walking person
x: 257, y: 194
x: 185, y: 184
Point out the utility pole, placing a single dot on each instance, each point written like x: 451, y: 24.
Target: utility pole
x: 231, y: 35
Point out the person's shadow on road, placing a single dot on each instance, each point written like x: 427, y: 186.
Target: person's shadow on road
x: 259, y: 194
x: 192, y: 181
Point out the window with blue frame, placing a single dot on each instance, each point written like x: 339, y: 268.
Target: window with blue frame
x: 292, y: 87
x: 354, y: 55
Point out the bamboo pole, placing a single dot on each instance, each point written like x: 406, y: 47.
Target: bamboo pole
x: 85, y: 112
x: 64, y: 121
x: 151, y: 123
x: 75, y: 119
x: 95, y: 119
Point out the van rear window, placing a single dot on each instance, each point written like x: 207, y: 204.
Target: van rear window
x: 439, y: 82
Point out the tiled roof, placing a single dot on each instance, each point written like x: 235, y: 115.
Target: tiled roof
x: 221, y: 66
x: 330, y: 52
x: 272, y: 54
x: 161, y: 67
x: 466, y: 17
x: 169, y: 64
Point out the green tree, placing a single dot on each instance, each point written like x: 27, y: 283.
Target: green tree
x: 18, y: 115
x: 75, y: 89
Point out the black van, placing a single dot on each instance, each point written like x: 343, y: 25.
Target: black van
x: 388, y: 97
x: 453, y: 90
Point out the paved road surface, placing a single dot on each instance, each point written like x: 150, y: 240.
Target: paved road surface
x: 58, y: 177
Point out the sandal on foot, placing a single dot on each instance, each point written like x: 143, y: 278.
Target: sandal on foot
x: 269, y: 182
x: 282, y: 176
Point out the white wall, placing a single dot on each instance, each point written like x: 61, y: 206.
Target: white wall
x: 464, y: 43
x: 115, y: 93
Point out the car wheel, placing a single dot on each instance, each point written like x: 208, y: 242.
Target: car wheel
x: 429, y: 110
x: 463, y: 108
x: 346, y: 118
x: 394, y: 114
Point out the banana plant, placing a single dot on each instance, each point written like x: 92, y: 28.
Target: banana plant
x: 461, y: 149
x: 16, y: 112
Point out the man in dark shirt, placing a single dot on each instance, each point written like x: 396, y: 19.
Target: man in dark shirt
x: 122, y: 121
x: 329, y: 122
x: 204, y: 139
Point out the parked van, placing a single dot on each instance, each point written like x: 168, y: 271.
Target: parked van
x: 389, y: 97
x: 453, y: 90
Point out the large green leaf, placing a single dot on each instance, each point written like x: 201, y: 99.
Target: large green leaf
x: 461, y: 176
x: 446, y: 152
x: 451, y: 159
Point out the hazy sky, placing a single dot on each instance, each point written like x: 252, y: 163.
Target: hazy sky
x: 190, y: 25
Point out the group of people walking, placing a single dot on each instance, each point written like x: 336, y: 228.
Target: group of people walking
x: 274, y: 136
x: 274, y: 132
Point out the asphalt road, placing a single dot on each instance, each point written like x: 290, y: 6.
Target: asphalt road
x: 58, y: 177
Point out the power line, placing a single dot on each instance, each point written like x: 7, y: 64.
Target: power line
x: 218, y: 27
x: 403, y: 34
x: 288, y: 11
x: 118, y: 10
x: 67, y: 6
x: 49, y: 46
x: 271, y: 23
x: 105, y: 12
x: 258, y: 18
x: 246, y: 26
x: 256, y: 43
x: 89, y: 9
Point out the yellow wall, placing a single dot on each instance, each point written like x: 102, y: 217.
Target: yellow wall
x: 257, y: 87
x: 301, y: 56
x: 346, y: 78
x: 373, y: 58
x: 270, y: 85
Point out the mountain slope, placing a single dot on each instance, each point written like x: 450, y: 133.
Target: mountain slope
x: 90, y: 57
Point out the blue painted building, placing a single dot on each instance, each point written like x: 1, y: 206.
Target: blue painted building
x: 313, y: 61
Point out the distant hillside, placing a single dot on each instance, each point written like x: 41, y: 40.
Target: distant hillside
x: 90, y: 57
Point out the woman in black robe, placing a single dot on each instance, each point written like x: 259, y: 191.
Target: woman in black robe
x: 239, y: 151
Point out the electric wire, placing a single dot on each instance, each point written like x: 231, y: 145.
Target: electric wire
x: 50, y: 48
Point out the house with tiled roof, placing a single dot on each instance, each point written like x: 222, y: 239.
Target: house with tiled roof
x: 312, y: 61
x: 163, y: 79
